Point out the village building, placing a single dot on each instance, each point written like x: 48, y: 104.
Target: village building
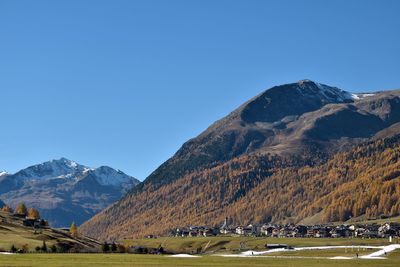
x: 386, y: 230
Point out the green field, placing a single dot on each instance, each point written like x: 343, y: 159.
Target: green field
x: 230, y: 244
x: 326, y: 253
x: 211, y: 248
x: 77, y: 260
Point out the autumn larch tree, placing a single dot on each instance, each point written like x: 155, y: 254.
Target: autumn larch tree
x: 73, y: 230
x: 21, y: 209
x: 7, y: 208
x: 33, y: 214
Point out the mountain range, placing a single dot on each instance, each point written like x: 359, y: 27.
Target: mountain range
x: 65, y: 191
x: 295, y: 153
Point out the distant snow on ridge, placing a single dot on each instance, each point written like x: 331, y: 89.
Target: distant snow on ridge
x: 104, y: 173
x: 70, y: 170
x: 64, y: 190
x: 361, y: 95
x: 341, y: 95
x: 61, y: 168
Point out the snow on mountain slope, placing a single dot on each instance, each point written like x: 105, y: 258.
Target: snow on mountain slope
x: 362, y: 95
x: 67, y: 169
x: 65, y: 191
x: 61, y: 168
x: 333, y: 93
x: 108, y: 176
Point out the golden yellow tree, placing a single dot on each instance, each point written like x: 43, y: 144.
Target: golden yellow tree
x: 73, y: 230
x: 33, y: 214
x: 7, y: 208
x: 21, y: 209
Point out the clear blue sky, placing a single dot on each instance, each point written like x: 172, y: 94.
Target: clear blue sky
x: 126, y: 83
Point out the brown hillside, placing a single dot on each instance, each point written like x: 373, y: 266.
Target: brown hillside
x: 364, y: 180
x: 278, y: 157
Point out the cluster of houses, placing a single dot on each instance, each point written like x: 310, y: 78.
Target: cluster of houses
x: 386, y: 230
x: 35, y: 223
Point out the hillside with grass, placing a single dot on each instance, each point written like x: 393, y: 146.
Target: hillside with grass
x: 13, y: 233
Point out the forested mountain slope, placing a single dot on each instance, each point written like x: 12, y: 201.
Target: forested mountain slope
x: 292, y: 152
x: 364, y: 180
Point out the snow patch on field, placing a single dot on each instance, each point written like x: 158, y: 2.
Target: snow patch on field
x: 184, y: 256
x: 383, y: 250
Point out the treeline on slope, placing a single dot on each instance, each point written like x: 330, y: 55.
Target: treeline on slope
x: 25, y: 227
x: 258, y: 189
x: 241, y: 174
x: 22, y: 211
x: 218, y: 153
x: 33, y: 214
x: 362, y: 181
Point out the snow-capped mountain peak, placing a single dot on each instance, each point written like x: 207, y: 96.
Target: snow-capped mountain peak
x: 3, y: 172
x: 328, y: 92
x: 60, y: 168
x: 67, y: 169
x: 64, y: 185
x: 67, y: 162
x: 109, y: 176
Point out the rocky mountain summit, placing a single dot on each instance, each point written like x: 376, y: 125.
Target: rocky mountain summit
x: 302, y: 119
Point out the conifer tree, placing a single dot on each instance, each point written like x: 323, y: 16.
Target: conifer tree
x: 44, y: 247
x: 113, y: 247
x: 105, y: 247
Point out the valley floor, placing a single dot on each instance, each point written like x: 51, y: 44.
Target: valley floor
x: 237, y: 244
x: 77, y: 260
x: 224, y: 252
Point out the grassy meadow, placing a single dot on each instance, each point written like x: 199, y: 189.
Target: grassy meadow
x: 232, y: 244
x: 12, y: 232
x: 88, y: 260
